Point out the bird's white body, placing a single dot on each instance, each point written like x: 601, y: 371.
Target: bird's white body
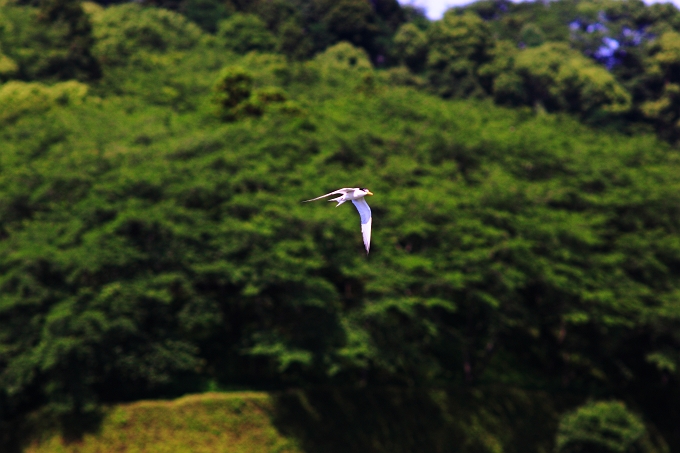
x: 356, y: 196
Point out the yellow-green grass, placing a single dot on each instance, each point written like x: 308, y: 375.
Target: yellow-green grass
x: 211, y: 422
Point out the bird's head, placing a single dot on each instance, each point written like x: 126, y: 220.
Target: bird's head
x: 366, y: 191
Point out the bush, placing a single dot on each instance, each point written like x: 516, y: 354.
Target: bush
x: 605, y: 426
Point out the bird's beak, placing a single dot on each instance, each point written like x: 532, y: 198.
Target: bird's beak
x: 369, y: 193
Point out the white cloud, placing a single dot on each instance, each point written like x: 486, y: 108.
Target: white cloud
x: 435, y: 8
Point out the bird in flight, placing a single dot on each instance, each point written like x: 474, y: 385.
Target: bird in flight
x: 356, y: 196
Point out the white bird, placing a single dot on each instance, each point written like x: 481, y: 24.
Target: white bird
x: 356, y: 196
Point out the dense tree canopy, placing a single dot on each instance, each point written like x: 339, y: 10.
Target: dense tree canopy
x: 152, y: 239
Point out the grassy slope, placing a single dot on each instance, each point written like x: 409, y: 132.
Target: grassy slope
x: 376, y: 420
x: 212, y: 422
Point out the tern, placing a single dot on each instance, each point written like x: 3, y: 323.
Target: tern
x: 356, y: 196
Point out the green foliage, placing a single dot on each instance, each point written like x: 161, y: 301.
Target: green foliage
x: 234, y: 87
x: 7, y: 67
x: 332, y: 421
x: 531, y: 35
x: 122, y: 31
x: 52, y: 42
x: 458, y: 45
x: 664, y: 361
x: 632, y: 23
x: 235, y: 97
x: 375, y: 420
x: 411, y: 45
x: 508, y: 85
x: 508, y: 20
x: 21, y: 98
x: 148, y: 247
x: 206, y: 13
x: 233, y: 422
x: 601, y: 426
x: 141, y: 245
x: 662, y: 73
x: 151, y: 53
x: 318, y: 24
x: 293, y: 41
x: 401, y: 420
x: 343, y: 57
x: 243, y: 33
x: 350, y: 20
x: 557, y: 78
x: 71, y: 58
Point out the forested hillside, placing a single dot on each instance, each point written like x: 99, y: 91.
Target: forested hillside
x: 523, y: 283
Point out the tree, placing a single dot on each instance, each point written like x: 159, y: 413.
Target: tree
x: 52, y: 42
x: 411, y: 46
x: 352, y: 21
x: 148, y: 248
x: 556, y: 78
x: 458, y: 45
x: 294, y: 41
x: 531, y: 35
x: 128, y: 30
x: 70, y: 54
x: 662, y: 83
x: 206, y: 13
x: 243, y: 33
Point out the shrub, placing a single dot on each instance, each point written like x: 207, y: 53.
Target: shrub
x: 600, y: 426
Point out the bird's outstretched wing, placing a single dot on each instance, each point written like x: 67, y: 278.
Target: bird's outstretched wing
x: 342, y: 191
x: 366, y: 221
